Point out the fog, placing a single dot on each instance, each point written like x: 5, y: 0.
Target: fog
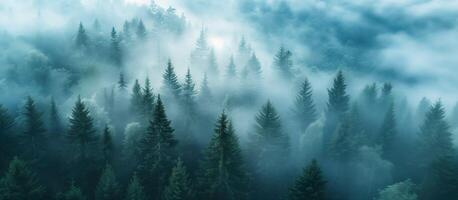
x: 369, y: 133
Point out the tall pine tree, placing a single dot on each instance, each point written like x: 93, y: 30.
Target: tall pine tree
x: 231, y: 69
x: 148, y: 99
x: 107, y: 145
x: 136, y: 99
x: 135, y: 190
x: 304, y: 108
x: 283, y: 62
x: 212, y: 65
x: 108, y: 186
x: 6, y: 138
x: 310, y: 185
x: 387, y: 134
x: 34, y: 134
x: 171, y: 86
x: 116, y: 53
x: 179, y: 186
x: 81, y: 40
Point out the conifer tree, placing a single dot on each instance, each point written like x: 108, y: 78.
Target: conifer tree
x: 34, y: 132
x: 212, y: 65
x: 136, y: 99
x: 252, y: 69
x: 231, y: 69
x: 55, y: 125
x: 73, y: 193
x: 81, y: 132
x: 283, y: 62
x: 441, y: 180
x: 158, y: 150
x: 122, y: 84
x: 179, y: 185
x: 135, y: 190
x: 116, y: 54
x: 108, y: 187
x: 386, y: 97
x: 337, y: 106
x: 205, y: 94
x: 201, y: 43
x: 343, y: 144
x: 370, y: 94
x: 81, y: 37
x: 399, y: 191
x: 107, y: 145
x: 6, y: 139
x: 141, y: 30
x: 388, y: 133
x: 148, y: 99
x: 171, y: 85
x: 188, y: 96
x: 310, y: 185
x: 126, y: 32
x: 20, y: 183
x: 223, y: 174
x: 304, y: 108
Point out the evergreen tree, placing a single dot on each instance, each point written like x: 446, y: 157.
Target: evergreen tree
x: 171, y: 85
x: 201, y: 43
x: 34, y: 132
x: 107, y: 145
x: 188, y: 95
x: 435, y: 136
x: 73, y: 193
x: 19, y: 183
x: 141, y: 30
x: 244, y: 51
x: 81, y: 37
x: 6, y: 139
x: 422, y: 109
x: 441, y: 181
x: 231, y: 71
x: 370, y: 94
x: 252, y: 69
x: 126, y: 32
x: 343, y: 145
x: 337, y: 106
x: 136, y: 99
x: 116, y: 53
x: 388, y: 133
x: 304, y: 108
x: 135, y: 190
x: 148, y: 99
x: 223, y: 176
x: 158, y: 150
x: 81, y: 132
x: 283, y: 62
x: 108, y: 187
x: 179, y: 186
x: 212, y: 65
x: 386, y: 97
x: 399, y: 191
x: 55, y: 123
x: 310, y: 186
x: 205, y: 92
x: 122, y: 85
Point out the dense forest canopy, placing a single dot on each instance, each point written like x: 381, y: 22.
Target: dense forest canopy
x: 239, y: 99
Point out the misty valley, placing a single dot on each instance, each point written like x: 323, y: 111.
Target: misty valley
x: 230, y: 100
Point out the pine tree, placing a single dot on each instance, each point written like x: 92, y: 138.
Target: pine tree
x: 310, y: 186
x: 386, y: 97
x: 158, y: 150
x: 148, y: 99
x: 304, y: 110
x: 122, y: 84
x: 141, y: 30
x: 388, y: 133
x: 343, y: 145
x: 136, y: 99
x: 283, y: 62
x: 6, y: 139
x: 116, y: 53
x: 73, y: 193
x: 171, y: 85
x: 441, y: 181
x: 34, y: 132
x: 212, y: 65
x: 205, y: 92
x: 435, y: 136
x: 269, y: 138
x: 337, y: 106
x: 135, y: 190
x: 179, y: 186
x: 370, y: 94
x: 201, y: 43
x: 107, y: 145
x: 188, y: 94
x: 55, y: 125
x: 252, y: 69
x: 126, y: 32
x: 19, y: 183
x: 231, y: 71
x: 108, y: 187
x: 81, y: 37
x: 223, y: 174
x: 81, y: 132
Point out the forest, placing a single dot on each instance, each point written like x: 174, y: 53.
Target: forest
x: 137, y: 100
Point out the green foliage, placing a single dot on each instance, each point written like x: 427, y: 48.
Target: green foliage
x: 387, y: 134
x: 73, y: 193
x: 108, y: 187
x: 107, y: 145
x: 283, y: 62
x: 136, y: 99
x: 81, y: 37
x: 55, y: 123
x: 310, y: 185
x: 269, y: 138
x: 304, y: 108
x: 170, y: 81
x: 116, y: 52
x: 179, y: 186
x: 135, y: 190
x: 399, y: 191
x: 19, y: 183
x: 6, y: 138
x: 34, y: 132
x: 222, y: 174
x: 148, y: 99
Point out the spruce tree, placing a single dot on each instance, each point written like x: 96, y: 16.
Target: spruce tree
x: 441, y: 180
x: 6, y: 138
x: 387, y: 133
x: 108, y: 187
x: 136, y: 99
x: 141, y: 30
x: 55, y: 123
x: 188, y: 94
x: 34, y: 134
x: 116, y: 53
x: 205, y: 94
x: 107, y: 145
x: 231, y: 69
x: 222, y: 174
x: 20, y: 183
x: 310, y: 185
x: 81, y: 132
x: 283, y: 62
x: 170, y: 81
x: 343, y: 145
x: 252, y: 69
x: 304, y: 108
x: 158, y: 150
x: 135, y: 190
x: 126, y: 32
x: 212, y: 65
x: 122, y: 84
x: 81, y: 40
x: 73, y: 193
x: 179, y: 186
x: 148, y: 99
